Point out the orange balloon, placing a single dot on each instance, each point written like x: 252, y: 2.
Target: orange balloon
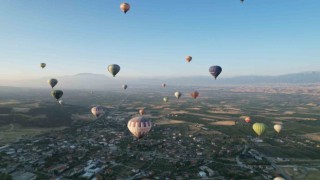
x: 124, y: 7
x: 195, y: 94
x: 188, y: 58
x: 141, y: 111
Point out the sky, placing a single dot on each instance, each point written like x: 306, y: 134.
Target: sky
x: 258, y: 37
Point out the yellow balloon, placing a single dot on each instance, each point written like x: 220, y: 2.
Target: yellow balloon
x: 277, y: 128
x: 279, y: 178
x: 259, y: 128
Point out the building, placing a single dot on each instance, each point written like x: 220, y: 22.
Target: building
x: 23, y: 176
x: 202, y: 174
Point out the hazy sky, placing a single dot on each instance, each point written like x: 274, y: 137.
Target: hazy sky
x: 261, y: 37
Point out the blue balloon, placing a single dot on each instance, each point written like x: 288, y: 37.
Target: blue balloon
x: 215, y: 71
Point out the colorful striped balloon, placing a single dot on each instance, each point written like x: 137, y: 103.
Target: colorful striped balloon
x: 139, y: 126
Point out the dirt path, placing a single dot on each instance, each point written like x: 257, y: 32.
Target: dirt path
x: 213, y: 117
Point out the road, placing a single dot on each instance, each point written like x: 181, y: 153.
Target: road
x: 241, y: 164
x: 279, y: 169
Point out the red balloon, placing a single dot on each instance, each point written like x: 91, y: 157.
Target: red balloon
x: 247, y: 119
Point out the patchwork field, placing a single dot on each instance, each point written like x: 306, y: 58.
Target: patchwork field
x: 13, y: 132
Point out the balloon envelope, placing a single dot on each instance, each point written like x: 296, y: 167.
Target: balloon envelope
x: 124, y: 87
x: 279, y: 178
x: 97, y: 111
x: 43, y: 65
x: 52, y: 82
x: 215, y: 71
x: 114, y: 69
x: 164, y: 85
x: 247, y: 119
x: 125, y: 7
x: 177, y: 94
x: 277, y: 128
x: 259, y: 128
x: 141, y: 111
x: 165, y: 99
x: 194, y: 94
x: 188, y: 58
x: 139, y: 126
x: 57, y: 94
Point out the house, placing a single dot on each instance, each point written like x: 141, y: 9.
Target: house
x: 202, y: 174
x: 59, y: 168
x: 87, y: 175
x: 205, y: 168
x: 3, y: 148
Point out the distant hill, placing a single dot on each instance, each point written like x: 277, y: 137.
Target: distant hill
x: 307, y: 77
x: 100, y: 81
x: 297, y: 78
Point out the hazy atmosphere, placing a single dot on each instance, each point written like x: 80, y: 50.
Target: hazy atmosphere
x: 159, y: 90
x: 267, y: 37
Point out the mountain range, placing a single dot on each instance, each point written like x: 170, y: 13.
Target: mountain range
x: 100, y: 81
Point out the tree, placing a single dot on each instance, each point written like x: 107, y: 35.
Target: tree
x: 4, y: 176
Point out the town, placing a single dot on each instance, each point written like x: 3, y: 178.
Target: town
x: 104, y: 149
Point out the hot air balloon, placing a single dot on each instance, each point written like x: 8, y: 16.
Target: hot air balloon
x: 259, y: 128
x: 165, y: 99
x: 277, y: 128
x: 57, y: 94
x: 279, y: 178
x: 242, y: 1
x: 247, y: 119
x: 194, y: 94
x: 164, y: 85
x: 60, y: 102
x: 139, y: 126
x: 43, y: 65
x: 125, y: 7
x: 215, y: 71
x: 188, y: 58
x: 141, y: 111
x: 124, y: 86
x: 52, y: 82
x: 97, y: 111
x: 114, y: 69
x: 177, y: 94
